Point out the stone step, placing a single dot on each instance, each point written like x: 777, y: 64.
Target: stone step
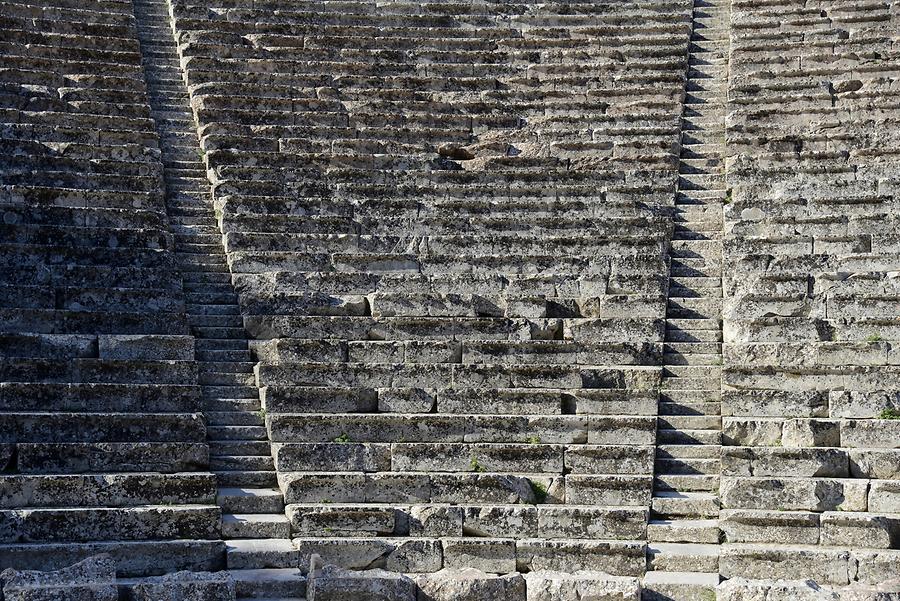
x: 236, y: 432
x: 690, y: 382
x: 219, y: 332
x: 234, y: 418
x: 245, y: 479
x: 237, y: 367
x: 692, y: 504
x: 251, y: 405
x: 686, y: 483
x: 683, y: 557
x: 690, y: 408
x: 226, y: 379
x: 686, y: 466
x: 230, y: 392
x: 689, y: 437
x: 692, y: 451
x: 684, y: 531
x: 213, y: 309
x: 691, y: 359
x: 245, y: 463
x: 694, y: 308
x: 239, y: 447
x: 255, y: 526
x: 261, y: 553
x: 690, y: 422
x: 269, y: 584
x: 228, y: 356
x: 678, y: 335
x: 250, y: 500
x: 679, y: 586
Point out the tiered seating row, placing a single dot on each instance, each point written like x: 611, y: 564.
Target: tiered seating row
x: 811, y: 300
x: 103, y: 447
x: 447, y: 224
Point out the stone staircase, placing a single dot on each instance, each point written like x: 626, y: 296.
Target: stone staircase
x: 240, y: 456
x: 683, y: 531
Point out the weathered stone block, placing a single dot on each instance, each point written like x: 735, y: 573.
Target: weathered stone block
x: 492, y: 555
x: 92, y: 579
x: 185, y: 586
x: 332, y: 583
x: 742, y: 589
x: 593, y: 586
x: 470, y: 584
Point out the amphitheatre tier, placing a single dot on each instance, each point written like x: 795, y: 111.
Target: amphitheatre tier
x: 575, y: 286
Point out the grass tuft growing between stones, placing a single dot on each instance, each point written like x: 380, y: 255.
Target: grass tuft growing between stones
x: 343, y: 438
x: 889, y: 413
x: 540, y: 492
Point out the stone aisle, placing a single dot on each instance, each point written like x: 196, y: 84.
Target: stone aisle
x: 253, y: 520
x: 684, y: 534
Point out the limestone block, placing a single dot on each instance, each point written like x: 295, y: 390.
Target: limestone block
x: 797, y: 494
x: 875, y: 463
x: 811, y: 433
x: 494, y: 555
x: 788, y: 462
x: 594, y: 586
x: 332, y: 583
x: 150, y: 348
x: 333, y: 520
x: 742, y: 589
x: 751, y: 432
x: 761, y: 526
x: 92, y: 579
x: 861, y: 404
x: 775, y: 403
x: 436, y: 521
x: 627, y: 558
x: 610, y: 459
x: 616, y: 523
x: 884, y: 496
x: 851, y: 529
x: 826, y: 566
x: 608, y: 490
x: 470, y: 584
x: 501, y: 521
x: 395, y: 555
x: 874, y: 566
x: 185, y: 586
x: 876, y: 433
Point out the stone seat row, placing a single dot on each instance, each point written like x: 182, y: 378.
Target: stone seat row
x: 461, y: 427
x: 628, y: 205
x: 82, y: 458
x: 476, y: 263
x: 433, y: 457
x: 133, y: 558
x: 472, y: 401
x: 544, y: 352
x: 455, y: 488
x: 386, y: 304
x: 105, y: 489
x: 80, y: 137
x: 457, y: 328
x: 88, y: 524
x: 423, y: 555
x: 468, y: 520
x: 501, y: 221
x: 801, y: 461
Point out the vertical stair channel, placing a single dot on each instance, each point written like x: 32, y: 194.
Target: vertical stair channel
x: 684, y: 531
x: 240, y: 454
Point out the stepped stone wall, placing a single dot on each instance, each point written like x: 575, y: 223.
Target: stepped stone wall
x: 811, y: 292
x: 101, y: 439
x: 446, y: 226
x: 497, y: 314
